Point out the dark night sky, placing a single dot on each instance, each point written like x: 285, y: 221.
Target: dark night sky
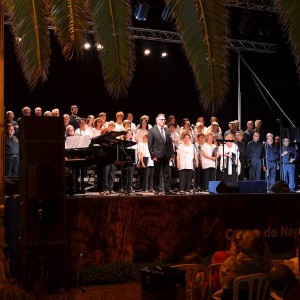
x: 163, y: 85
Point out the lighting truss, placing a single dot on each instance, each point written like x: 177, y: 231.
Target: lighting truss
x: 174, y: 37
x: 261, y: 5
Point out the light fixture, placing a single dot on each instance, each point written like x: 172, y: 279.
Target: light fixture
x: 99, y: 46
x: 18, y: 40
x: 141, y: 11
x: 87, y: 46
x: 147, y: 51
x: 163, y: 51
x: 166, y: 14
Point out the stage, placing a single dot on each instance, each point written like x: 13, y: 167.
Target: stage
x: 145, y: 227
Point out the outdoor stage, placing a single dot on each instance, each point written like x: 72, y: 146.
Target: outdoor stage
x: 147, y: 228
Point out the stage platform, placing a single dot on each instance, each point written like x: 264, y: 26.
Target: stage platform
x: 145, y: 227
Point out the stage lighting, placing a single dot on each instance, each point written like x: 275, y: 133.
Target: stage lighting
x: 163, y: 51
x: 166, y: 14
x: 87, y: 46
x: 99, y: 46
x: 147, y: 51
x: 141, y: 11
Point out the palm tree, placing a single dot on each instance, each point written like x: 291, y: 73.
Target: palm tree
x: 202, y: 24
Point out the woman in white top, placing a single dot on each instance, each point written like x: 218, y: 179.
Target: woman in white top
x: 229, y: 159
x: 210, y: 154
x: 83, y: 129
x: 186, y: 158
x: 141, y: 130
x: 146, y: 165
x: 96, y: 130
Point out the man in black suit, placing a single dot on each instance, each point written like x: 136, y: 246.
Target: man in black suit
x: 161, y: 151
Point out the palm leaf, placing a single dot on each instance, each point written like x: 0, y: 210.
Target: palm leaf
x: 289, y: 12
x: 70, y: 20
x: 203, y: 29
x: 111, y: 20
x: 30, y: 24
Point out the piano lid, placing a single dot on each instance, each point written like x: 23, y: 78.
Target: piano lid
x: 109, y: 137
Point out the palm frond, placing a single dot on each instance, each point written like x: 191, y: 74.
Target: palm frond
x: 111, y: 20
x: 30, y: 30
x: 69, y: 18
x: 203, y: 26
x: 289, y: 12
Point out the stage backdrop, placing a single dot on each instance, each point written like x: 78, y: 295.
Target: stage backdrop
x: 164, y: 229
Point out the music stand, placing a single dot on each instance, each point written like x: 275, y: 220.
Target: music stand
x: 124, y: 159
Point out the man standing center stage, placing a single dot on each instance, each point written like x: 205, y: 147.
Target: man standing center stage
x: 161, y: 151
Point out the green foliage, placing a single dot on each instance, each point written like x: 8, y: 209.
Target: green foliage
x: 114, y: 273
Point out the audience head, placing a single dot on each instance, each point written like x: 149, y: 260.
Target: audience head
x: 281, y: 279
x: 253, y: 243
x: 235, y: 245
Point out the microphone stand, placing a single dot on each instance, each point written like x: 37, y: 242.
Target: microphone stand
x: 267, y: 169
x: 280, y: 147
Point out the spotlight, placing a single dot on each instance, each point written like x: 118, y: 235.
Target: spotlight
x: 163, y: 51
x: 87, y: 46
x: 18, y: 40
x: 164, y: 54
x: 166, y: 14
x: 141, y: 11
x: 99, y: 46
x: 147, y: 51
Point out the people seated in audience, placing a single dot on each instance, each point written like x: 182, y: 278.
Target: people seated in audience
x: 283, y: 282
x: 252, y: 258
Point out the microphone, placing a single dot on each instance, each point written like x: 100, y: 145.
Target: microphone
x: 278, y: 120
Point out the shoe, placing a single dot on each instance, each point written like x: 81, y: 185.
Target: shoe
x: 170, y: 193
x: 182, y: 192
x: 156, y: 193
x: 112, y: 192
x: 151, y: 191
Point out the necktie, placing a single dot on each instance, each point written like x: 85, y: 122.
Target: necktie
x: 162, y: 133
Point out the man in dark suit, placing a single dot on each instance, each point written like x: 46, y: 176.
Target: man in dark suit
x: 161, y: 151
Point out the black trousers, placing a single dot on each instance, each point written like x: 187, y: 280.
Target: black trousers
x: 161, y: 164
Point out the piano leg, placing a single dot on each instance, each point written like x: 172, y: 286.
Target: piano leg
x: 82, y: 188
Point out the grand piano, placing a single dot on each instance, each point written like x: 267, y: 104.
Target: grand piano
x: 101, y: 151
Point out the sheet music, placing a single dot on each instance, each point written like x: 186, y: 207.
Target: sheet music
x: 77, y: 141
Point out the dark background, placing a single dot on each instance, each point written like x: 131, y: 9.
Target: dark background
x: 167, y: 85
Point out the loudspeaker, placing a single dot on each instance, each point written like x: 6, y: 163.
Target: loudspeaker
x: 43, y: 204
x: 280, y: 186
x: 11, y: 185
x: 228, y: 187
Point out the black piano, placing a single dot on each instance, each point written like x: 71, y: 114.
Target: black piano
x: 103, y: 150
